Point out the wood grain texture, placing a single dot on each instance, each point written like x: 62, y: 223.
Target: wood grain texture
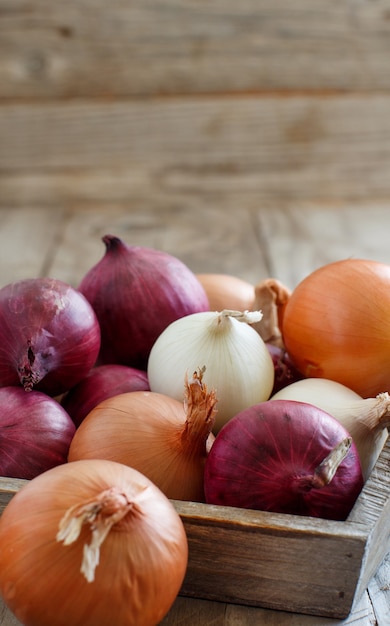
x: 274, y: 149
x: 143, y: 48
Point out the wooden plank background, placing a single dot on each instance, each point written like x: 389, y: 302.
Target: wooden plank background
x: 260, y: 101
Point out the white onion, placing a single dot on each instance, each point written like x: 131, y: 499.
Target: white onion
x: 236, y: 360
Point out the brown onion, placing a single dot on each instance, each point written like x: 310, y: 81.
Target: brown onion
x: 336, y: 325
x: 91, y: 543
x: 157, y: 435
x: 227, y: 292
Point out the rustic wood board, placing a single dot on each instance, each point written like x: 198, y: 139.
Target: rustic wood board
x: 261, y: 148
x: 51, y: 50
x: 313, y: 233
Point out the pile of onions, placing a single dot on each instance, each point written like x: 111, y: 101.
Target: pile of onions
x: 136, y: 292
x: 35, y: 433
x: 89, y: 543
x: 285, y: 457
x: 336, y: 325
x: 50, y: 337
x: 366, y: 420
x: 102, y: 382
x: 237, y: 361
x: 166, y: 440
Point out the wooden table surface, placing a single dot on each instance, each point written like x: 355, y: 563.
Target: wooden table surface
x: 252, y: 242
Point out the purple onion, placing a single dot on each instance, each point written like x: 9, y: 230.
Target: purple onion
x: 35, y: 433
x: 49, y: 335
x: 270, y: 457
x: 102, y: 382
x: 136, y: 292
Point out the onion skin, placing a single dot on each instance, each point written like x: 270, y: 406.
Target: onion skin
x: 136, y: 292
x: 259, y: 457
x: 102, y: 382
x: 142, y: 561
x: 336, y: 325
x: 35, y: 433
x: 155, y: 434
x: 50, y: 336
x: 227, y: 292
x: 237, y: 363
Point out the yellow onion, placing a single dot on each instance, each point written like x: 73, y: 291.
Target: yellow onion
x: 336, y: 325
x: 165, y: 439
x: 91, y: 543
x: 227, y: 292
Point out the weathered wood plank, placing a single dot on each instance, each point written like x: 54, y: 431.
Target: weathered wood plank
x: 230, y: 246
x: 183, y: 46
x: 27, y: 241
x: 269, y: 148
x: 302, y: 236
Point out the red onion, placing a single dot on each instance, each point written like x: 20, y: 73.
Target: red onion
x: 271, y: 457
x: 285, y: 371
x: 136, y: 293
x: 35, y: 433
x: 101, y: 383
x: 49, y: 335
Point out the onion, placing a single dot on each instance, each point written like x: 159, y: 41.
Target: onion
x: 366, y: 420
x: 35, y: 433
x: 91, y: 543
x: 50, y: 336
x: 285, y: 457
x: 238, y: 364
x: 285, y: 371
x: 163, y: 439
x: 136, y: 292
x: 227, y: 292
x: 102, y: 382
x: 336, y: 325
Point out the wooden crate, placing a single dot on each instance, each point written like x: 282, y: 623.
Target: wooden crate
x: 285, y: 562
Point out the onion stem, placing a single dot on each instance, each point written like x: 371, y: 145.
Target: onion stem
x: 200, y: 408
x: 101, y: 514
x: 327, y: 469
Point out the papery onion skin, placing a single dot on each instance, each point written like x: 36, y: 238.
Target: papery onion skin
x: 50, y: 336
x: 237, y: 363
x: 336, y: 325
x: 225, y: 291
x: 148, y: 431
x: 102, y: 382
x: 35, y: 433
x: 259, y: 455
x: 136, y: 292
x: 142, y: 560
